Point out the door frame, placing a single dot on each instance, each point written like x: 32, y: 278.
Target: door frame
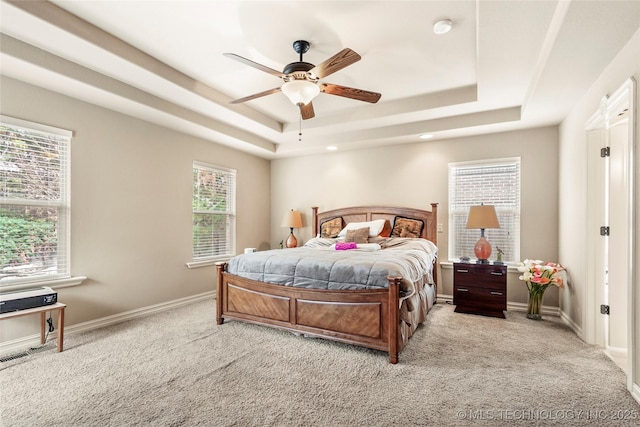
x: 594, y: 326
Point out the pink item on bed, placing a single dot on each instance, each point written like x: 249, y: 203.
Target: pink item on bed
x: 343, y: 246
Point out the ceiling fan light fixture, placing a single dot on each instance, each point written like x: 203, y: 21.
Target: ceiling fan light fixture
x: 300, y: 91
x: 442, y: 26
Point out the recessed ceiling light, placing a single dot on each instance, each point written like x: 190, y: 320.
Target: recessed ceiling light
x: 443, y: 26
x: 426, y: 136
x: 332, y: 148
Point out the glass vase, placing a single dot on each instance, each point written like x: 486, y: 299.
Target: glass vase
x: 535, y: 304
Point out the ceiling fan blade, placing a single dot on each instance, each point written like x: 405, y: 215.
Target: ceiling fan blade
x: 337, y: 62
x: 255, y: 95
x: 306, y: 111
x: 254, y: 64
x: 349, y: 92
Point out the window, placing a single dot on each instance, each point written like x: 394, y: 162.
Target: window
x: 34, y: 202
x: 214, y: 212
x: 492, y: 182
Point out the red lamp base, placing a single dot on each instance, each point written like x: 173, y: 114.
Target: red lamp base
x: 482, y: 249
x: 292, y: 242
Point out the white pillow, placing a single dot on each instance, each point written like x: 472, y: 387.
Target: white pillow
x: 375, y: 227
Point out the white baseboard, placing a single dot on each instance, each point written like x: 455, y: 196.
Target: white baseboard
x: 139, y: 312
x: 519, y: 306
x: 511, y: 306
x: 571, y: 324
x: 447, y: 299
x: 25, y: 343
x: 635, y: 392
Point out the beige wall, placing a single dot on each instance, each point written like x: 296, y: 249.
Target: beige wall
x: 416, y: 175
x: 131, y: 205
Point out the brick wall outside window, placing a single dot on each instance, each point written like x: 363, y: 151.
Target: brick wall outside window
x: 492, y: 182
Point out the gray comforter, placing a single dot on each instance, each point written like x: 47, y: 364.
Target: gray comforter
x: 319, y: 265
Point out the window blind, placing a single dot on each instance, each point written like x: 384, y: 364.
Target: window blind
x: 214, y: 212
x: 495, y: 182
x: 34, y: 201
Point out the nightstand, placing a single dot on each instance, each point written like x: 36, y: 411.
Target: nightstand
x: 480, y: 289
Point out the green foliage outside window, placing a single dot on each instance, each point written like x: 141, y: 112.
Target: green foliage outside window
x: 31, y: 196
x: 213, y: 211
x: 25, y: 239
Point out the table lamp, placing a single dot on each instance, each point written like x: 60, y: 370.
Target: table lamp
x: 293, y: 219
x: 483, y: 216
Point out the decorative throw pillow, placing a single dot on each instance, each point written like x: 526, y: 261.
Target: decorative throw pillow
x: 330, y: 229
x: 407, y: 227
x: 361, y: 235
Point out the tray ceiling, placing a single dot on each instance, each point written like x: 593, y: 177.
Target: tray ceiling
x: 504, y: 65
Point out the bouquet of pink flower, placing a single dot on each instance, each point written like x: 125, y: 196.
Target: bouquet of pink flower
x: 538, y: 276
x: 539, y: 273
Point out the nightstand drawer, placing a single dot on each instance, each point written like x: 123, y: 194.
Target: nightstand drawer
x: 492, y: 277
x: 481, y: 298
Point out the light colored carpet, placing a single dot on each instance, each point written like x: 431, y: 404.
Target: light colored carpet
x: 179, y: 369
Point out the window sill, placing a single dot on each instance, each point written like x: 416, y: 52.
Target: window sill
x: 51, y: 283
x: 206, y: 263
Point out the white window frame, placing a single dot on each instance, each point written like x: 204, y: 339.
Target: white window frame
x: 61, y: 277
x: 460, y: 208
x: 230, y: 213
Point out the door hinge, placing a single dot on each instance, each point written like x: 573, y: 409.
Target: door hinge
x: 605, y: 152
x: 604, y: 230
x: 604, y: 309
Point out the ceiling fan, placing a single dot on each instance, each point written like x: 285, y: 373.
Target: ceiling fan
x: 302, y: 79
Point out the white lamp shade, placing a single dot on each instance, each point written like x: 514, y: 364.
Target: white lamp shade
x: 292, y: 219
x: 300, y: 91
x: 483, y: 216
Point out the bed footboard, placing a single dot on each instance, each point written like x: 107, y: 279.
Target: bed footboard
x: 368, y: 318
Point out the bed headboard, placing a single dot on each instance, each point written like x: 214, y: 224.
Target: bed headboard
x: 370, y: 213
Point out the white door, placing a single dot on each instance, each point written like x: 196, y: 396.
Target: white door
x: 597, y: 202
x: 620, y: 234
x: 610, y: 202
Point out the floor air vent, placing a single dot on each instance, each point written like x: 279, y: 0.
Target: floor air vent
x: 14, y: 356
x: 25, y: 353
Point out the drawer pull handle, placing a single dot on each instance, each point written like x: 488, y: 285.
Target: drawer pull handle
x: 496, y: 273
x: 463, y: 290
x: 462, y: 271
x: 496, y: 293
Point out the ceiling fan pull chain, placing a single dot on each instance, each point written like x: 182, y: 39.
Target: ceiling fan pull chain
x: 300, y: 128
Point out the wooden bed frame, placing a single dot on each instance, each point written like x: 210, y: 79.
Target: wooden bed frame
x: 368, y: 318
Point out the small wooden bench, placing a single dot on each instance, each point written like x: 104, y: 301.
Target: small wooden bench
x: 43, y: 319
